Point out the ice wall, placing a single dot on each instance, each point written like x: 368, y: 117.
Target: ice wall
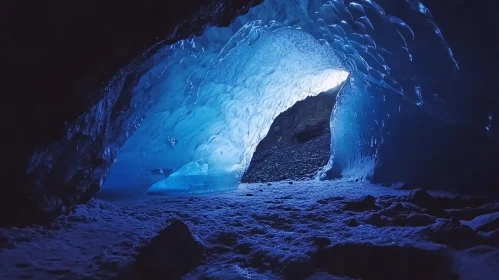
x: 218, y: 101
x: 213, y: 97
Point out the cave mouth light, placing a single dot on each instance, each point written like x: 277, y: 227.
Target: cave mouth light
x: 214, y: 107
x: 221, y: 164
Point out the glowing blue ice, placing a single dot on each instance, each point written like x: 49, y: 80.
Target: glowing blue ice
x: 214, y: 97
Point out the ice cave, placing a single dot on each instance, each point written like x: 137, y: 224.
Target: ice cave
x: 210, y: 99
x: 250, y: 139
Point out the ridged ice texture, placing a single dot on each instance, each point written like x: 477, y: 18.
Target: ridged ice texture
x: 215, y: 96
x: 218, y: 103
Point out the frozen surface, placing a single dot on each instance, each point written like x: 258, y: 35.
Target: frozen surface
x: 276, y: 221
x: 211, y: 99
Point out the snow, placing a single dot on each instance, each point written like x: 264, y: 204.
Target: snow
x: 482, y: 220
x: 277, y: 221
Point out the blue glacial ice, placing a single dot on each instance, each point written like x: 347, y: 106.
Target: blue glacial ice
x: 212, y: 98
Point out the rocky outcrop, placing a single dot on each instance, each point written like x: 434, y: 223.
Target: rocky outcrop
x: 293, y: 162
x: 304, y: 121
x: 65, y: 121
x: 439, y: 218
x: 371, y: 261
x: 172, y: 253
x: 297, y: 145
x: 365, y: 203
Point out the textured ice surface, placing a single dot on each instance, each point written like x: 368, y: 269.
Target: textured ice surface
x: 213, y: 97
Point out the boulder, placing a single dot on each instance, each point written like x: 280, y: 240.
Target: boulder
x: 365, y: 203
x: 452, y: 233
x: 470, y: 213
x: 297, y: 268
x: 378, y: 220
x: 414, y: 220
x: 310, y: 129
x: 490, y: 237
x: 421, y: 198
x: 171, y: 254
x: 321, y: 241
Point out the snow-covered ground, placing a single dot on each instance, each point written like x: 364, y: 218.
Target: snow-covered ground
x: 253, y: 232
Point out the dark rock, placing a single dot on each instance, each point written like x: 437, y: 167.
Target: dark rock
x: 227, y: 238
x: 352, y: 222
x: 298, y: 268
x: 365, y: 203
x: 433, y: 206
x: 370, y: 261
x: 436, y: 212
x: 310, y: 129
x: 490, y: 237
x: 320, y: 241
x: 330, y: 199
x: 458, y: 202
x: 387, y: 201
x: 422, y: 198
x: 172, y: 253
x: 289, y: 162
x: 377, y: 220
x: 244, y: 248
x: 260, y: 259
x: 414, y: 220
x: 452, y: 233
x: 393, y: 210
x: 411, y: 207
x: 301, y: 145
x: 470, y: 213
x: 219, y: 249
x: 304, y: 121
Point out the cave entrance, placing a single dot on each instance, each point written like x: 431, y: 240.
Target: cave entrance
x: 207, y: 119
x: 296, y: 147
x: 298, y: 143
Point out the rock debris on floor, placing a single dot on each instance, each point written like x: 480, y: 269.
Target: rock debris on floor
x: 304, y: 230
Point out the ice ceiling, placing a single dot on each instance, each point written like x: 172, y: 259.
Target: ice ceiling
x: 212, y: 98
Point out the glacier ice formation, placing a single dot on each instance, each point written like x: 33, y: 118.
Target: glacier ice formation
x: 203, y: 104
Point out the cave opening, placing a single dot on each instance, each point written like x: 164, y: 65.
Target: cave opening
x: 298, y: 143
x: 292, y: 121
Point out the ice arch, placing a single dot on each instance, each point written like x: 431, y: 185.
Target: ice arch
x: 206, y: 129
x: 211, y: 99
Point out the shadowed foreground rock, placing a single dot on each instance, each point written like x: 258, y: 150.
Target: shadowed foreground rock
x: 172, y: 253
x: 369, y: 261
